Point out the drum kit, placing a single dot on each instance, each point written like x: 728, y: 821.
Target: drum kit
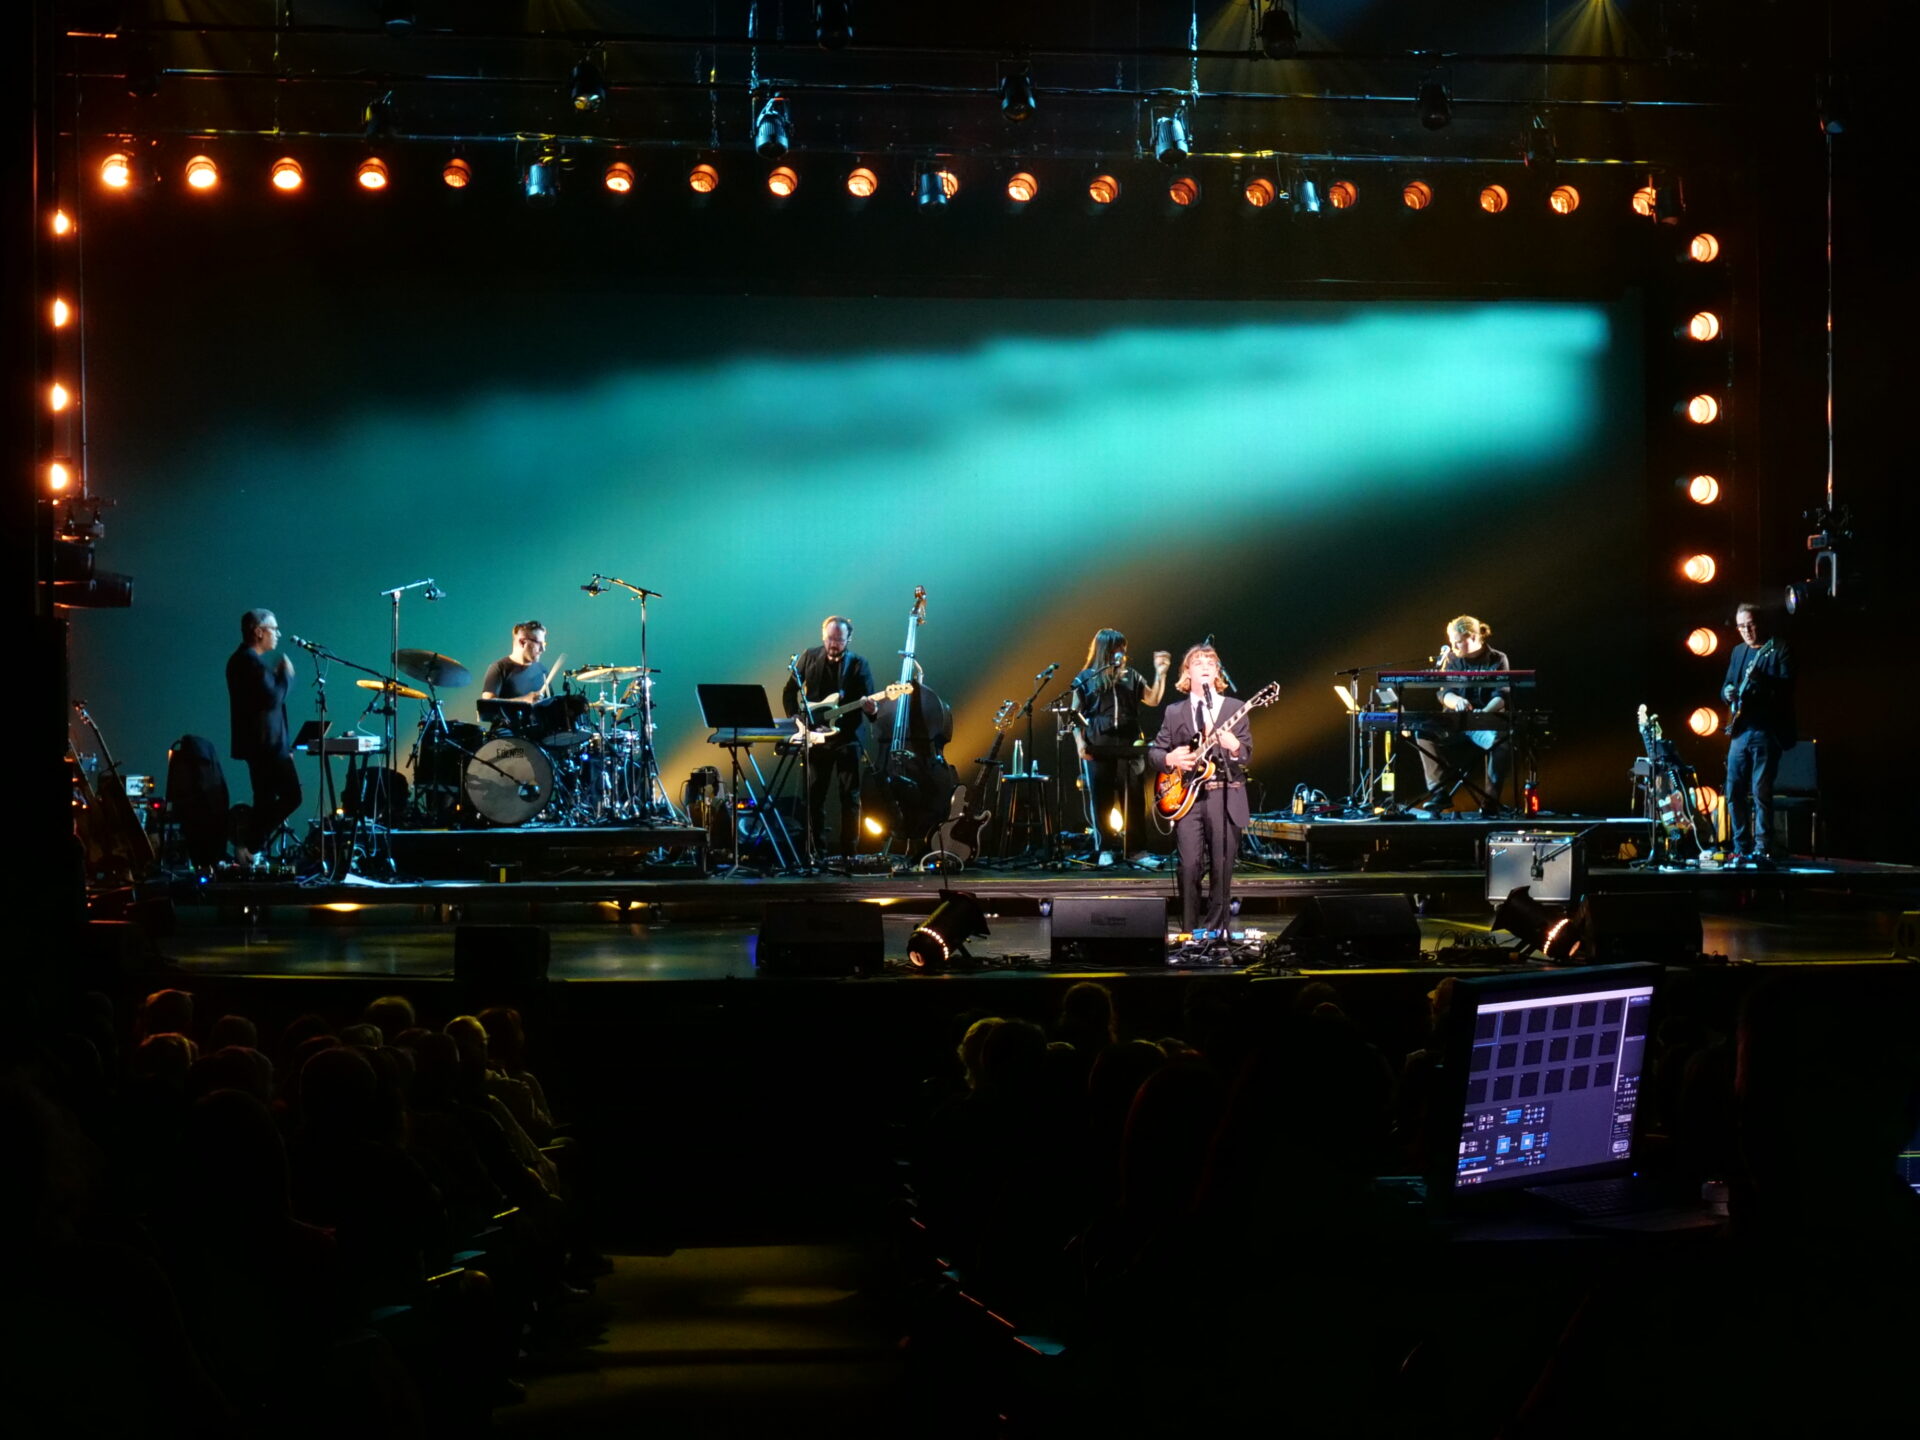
x: 579, y: 757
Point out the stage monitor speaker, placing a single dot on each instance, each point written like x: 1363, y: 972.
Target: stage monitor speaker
x: 1660, y: 926
x: 1108, y: 932
x: 833, y: 938
x: 500, y: 964
x: 1354, y: 930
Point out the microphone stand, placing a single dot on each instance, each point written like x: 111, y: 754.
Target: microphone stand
x: 649, y: 766
x: 390, y: 727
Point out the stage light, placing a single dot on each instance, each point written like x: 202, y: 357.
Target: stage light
x: 62, y: 223
x: 1306, y: 197
x: 116, y: 171
x: 1563, y: 200
x: 1022, y: 187
x: 378, y: 118
x: 782, y: 181
x: 1700, y: 569
x: 1416, y: 195
x: 942, y: 937
x: 1343, y: 195
x: 1704, y: 722
x: 1260, y: 193
x: 1184, y: 191
x: 1434, y: 103
x: 1643, y: 201
x: 773, y: 129
x: 1103, y: 189
x: 1701, y: 640
x: 456, y: 174
x: 287, y: 176
x: 1017, y: 102
x: 1668, y: 203
x: 1536, y: 925
x: 1703, y: 248
x: 935, y: 188
x: 1116, y: 820
x: 862, y: 183
x: 541, y: 183
x: 586, y: 87
x: 873, y: 827
x: 832, y: 24
x: 1703, y: 325
x: 703, y: 179
x: 59, y: 475
x: 62, y: 313
x: 202, y: 173
x: 1172, y: 141
x: 372, y: 174
x: 619, y: 178
x: 1703, y: 489
x: 1279, y: 35
x: 58, y: 397
x: 1702, y: 409
x: 1706, y: 799
x: 1493, y: 199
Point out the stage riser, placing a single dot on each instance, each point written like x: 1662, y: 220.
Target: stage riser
x: 535, y: 854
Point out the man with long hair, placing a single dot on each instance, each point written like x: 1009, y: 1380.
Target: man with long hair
x: 1208, y: 835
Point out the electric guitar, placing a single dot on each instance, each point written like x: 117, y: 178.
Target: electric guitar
x: 1669, y: 784
x: 1746, y: 681
x: 818, y: 725
x: 1174, y: 791
x: 959, y: 834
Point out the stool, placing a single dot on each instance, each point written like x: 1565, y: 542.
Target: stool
x: 1025, y: 817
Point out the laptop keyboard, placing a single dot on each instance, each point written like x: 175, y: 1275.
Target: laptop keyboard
x: 1596, y: 1197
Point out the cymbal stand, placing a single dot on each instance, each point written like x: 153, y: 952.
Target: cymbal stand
x: 390, y: 728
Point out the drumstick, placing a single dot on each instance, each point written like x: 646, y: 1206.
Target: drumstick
x: 546, y: 686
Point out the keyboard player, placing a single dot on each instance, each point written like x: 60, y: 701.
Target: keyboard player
x: 1451, y: 756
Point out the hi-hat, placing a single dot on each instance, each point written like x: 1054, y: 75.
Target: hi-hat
x: 442, y: 672
x: 593, y: 674
x: 392, y: 687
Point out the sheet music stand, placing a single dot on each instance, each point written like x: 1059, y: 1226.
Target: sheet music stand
x: 738, y: 708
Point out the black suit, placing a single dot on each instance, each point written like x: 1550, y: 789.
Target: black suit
x: 1759, y: 735
x: 1209, y: 834
x: 257, y: 712
x: 835, y: 764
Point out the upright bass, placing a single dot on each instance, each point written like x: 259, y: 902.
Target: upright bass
x: 913, y: 732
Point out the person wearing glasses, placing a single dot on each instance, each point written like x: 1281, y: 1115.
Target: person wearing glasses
x: 258, y: 678
x: 1759, y: 688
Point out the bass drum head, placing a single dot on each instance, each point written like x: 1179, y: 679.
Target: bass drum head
x: 509, y: 781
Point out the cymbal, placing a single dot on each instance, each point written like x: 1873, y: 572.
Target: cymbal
x: 441, y: 671
x: 605, y: 705
x: 593, y: 674
x: 392, y: 687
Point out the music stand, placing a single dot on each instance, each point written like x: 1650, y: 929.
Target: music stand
x: 737, y: 709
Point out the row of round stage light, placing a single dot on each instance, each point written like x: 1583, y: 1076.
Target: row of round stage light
x: 933, y: 185
x: 60, y: 474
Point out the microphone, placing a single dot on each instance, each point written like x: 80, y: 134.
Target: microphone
x: 593, y: 586
x: 303, y: 644
x: 529, y: 791
x: 1441, y: 658
x: 1046, y: 673
x: 434, y: 592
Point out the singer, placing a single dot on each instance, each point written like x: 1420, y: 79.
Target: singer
x: 257, y: 683
x: 1445, y: 755
x: 826, y: 669
x: 1209, y: 834
x: 1107, y: 696
x: 519, y: 675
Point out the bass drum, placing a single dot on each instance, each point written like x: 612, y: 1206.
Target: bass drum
x: 509, y: 781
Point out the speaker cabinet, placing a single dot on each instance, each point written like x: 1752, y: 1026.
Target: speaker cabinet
x: 833, y: 938
x: 1660, y: 926
x: 1109, y: 932
x: 1354, y: 930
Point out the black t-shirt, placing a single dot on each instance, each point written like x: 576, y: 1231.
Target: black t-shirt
x: 1110, y: 702
x: 1488, y: 658
x: 257, y: 705
x: 506, y: 679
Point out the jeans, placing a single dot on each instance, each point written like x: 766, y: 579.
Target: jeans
x: 1752, y: 761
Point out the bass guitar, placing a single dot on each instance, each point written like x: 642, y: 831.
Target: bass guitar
x: 818, y: 725
x: 1174, y: 791
x: 959, y: 834
x: 1677, y: 818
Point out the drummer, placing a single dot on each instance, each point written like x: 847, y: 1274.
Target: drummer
x: 519, y: 676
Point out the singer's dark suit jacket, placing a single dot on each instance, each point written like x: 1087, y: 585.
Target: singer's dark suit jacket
x: 1769, y: 703
x: 257, y: 705
x: 1177, y: 729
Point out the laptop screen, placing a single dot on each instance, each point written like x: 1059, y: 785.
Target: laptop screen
x: 1910, y: 1162
x: 1552, y: 1074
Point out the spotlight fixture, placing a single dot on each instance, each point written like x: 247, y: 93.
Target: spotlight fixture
x: 773, y: 129
x: 58, y: 397
x: 703, y: 179
x: 1184, y: 191
x: 542, y: 181
x: 942, y: 937
x: 862, y: 183
x: 1435, y: 103
x: 1536, y: 925
x: 1563, y: 200
x: 1416, y: 195
x: 116, y: 171
x: 59, y: 475
x: 287, y: 176
x: 1669, y: 203
x: 372, y: 173
x: 1260, y: 193
x: 1537, y: 148
x: 1017, y: 102
x: 379, y: 118
x: 202, y: 173
x: 62, y: 223
x: 456, y: 174
x: 1279, y: 34
x: 62, y: 313
x: 832, y: 24
x: 619, y: 178
x: 1703, y: 249
x: 1644, y: 200
x: 873, y: 826
x: 1493, y: 199
x: 1172, y: 138
x: 1103, y: 190
x: 1702, y: 641
x: 586, y: 88
x: 1022, y: 187
x: 1704, y: 722
x: 1701, y: 325
x: 782, y: 181
x: 1700, y: 569
x: 1343, y: 195
x: 1702, y: 489
x: 1701, y: 409
x: 1306, y: 196
x: 935, y: 187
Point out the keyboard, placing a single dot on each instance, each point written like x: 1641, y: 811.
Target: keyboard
x: 1434, y: 721
x: 751, y: 735
x: 1598, y: 1198
x: 1456, y: 679
x: 353, y: 743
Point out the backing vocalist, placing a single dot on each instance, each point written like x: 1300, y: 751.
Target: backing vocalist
x: 1107, y: 697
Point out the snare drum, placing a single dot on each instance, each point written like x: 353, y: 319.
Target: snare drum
x: 509, y: 780
x: 559, y: 721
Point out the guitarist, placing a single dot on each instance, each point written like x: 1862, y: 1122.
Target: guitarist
x: 1107, y: 697
x: 1759, y: 687
x: 830, y: 668
x: 1208, y: 835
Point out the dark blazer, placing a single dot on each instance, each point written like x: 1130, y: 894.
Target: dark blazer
x: 1768, y: 706
x: 257, y: 705
x: 1176, y: 729
x: 852, y: 677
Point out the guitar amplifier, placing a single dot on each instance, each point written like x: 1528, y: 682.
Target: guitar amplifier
x: 1550, y: 863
